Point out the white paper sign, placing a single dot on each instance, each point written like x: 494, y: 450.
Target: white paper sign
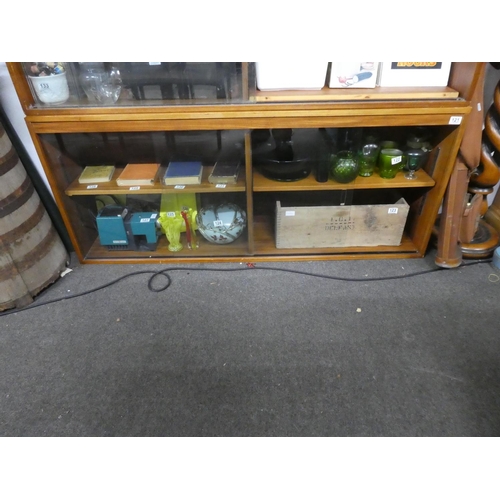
x: 134, y: 188
x: 455, y: 120
x: 91, y: 186
x: 393, y: 210
x: 289, y: 213
x: 179, y: 187
x: 396, y: 159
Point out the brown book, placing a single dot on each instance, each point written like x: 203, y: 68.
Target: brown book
x: 138, y: 174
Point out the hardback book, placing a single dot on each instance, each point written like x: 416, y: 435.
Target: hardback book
x: 225, y: 172
x: 138, y: 174
x: 183, y: 172
x: 96, y: 173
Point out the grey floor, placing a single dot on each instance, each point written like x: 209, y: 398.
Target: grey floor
x: 229, y: 351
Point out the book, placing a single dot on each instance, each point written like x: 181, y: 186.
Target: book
x: 183, y: 172
x: 96, y: 173
x: 225, y: 172
x: 138, y: 174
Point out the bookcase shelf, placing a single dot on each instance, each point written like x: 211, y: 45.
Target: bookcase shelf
x: 265, y: 246
x: 344, y: 94
x: 111, y: 188
x: 206, y: 251
x: 263, y: 184
x: 68, y: 136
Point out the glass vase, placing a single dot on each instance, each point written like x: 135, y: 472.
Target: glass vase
x: 345, y: 167
x: 102, y: 85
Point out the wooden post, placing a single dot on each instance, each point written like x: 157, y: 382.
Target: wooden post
x: 449, y: 253
x: 470, y: 81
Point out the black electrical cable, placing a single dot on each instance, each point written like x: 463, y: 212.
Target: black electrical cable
x: 164, y: 273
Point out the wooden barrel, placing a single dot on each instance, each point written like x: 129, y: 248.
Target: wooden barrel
x: 32, y: 255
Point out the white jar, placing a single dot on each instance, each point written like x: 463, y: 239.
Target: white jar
x: 52, y: 89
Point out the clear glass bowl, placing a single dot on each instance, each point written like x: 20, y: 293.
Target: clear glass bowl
x: 221, y: 224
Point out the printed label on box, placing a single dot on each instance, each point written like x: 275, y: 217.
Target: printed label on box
x: 353, y: 74
x: 414, y: 74
x: 416, y: 65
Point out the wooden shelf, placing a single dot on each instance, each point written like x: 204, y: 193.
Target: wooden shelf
x: 111, y: 188
x: 263, y: 184
x: 206, y: 251
x: 375, y: 94
x: 265, y: 244
x: 265, y: 250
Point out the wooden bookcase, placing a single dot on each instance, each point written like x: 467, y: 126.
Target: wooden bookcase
x: 107, y: 130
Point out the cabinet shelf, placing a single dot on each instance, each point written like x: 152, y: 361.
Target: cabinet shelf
x: 356, y: 94
x: 263, y: 184
x: 265, y: 250
x: 111, y: 188
x: 67, y: 137
x: 264, y: 236
x: 206, y: 251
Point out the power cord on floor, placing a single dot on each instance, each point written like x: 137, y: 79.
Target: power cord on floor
x: 248, y: 267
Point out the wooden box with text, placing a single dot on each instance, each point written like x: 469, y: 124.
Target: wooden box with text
x: 340, y: 226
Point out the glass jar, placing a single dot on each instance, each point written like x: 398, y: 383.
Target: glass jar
x: 345, y: 167
x: 419, y: 139
x: 101, y: 84
x: 367, y: 157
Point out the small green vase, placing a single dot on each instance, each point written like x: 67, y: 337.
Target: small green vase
x: 345, y: 167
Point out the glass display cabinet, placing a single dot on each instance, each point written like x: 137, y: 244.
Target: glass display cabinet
x: 278, y: 201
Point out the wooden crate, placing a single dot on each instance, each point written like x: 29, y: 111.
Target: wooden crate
x: 340, y: 226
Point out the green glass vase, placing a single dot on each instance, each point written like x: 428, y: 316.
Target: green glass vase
x: 345, y: 167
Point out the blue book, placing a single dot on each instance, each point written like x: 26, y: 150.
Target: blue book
x: 183, y: 172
